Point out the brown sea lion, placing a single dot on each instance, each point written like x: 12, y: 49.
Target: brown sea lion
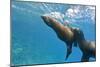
x: 64, y: 33
x: 88, y: 48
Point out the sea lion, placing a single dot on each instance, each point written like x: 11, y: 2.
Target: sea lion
x: 88, y: 48
x: 64, y: 33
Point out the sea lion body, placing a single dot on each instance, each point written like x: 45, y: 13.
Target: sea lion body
x: 64, y: 33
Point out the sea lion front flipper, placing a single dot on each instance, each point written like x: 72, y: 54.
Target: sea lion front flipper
x: 69, y: 50
x: 85, y: 58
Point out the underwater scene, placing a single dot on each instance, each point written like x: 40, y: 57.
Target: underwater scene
x: 36, y: 40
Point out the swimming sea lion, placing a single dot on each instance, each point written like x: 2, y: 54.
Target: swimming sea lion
x: 88, y: 48
x: 64, y: 33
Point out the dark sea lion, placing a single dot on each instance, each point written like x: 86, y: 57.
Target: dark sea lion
x: 64, y: 33
x: 88, y: 48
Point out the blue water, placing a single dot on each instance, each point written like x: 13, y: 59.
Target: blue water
x: 33, y: 42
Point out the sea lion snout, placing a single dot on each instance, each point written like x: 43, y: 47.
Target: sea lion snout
x: 43, y: 17
x: 48, y: 20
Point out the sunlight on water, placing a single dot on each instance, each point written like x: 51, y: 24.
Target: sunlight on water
x: 73, y: 13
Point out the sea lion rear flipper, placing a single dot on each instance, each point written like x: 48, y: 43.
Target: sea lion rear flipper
x: 85, y: 58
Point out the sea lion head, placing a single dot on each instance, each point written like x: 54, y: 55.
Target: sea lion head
x: 48, y: 20
x: 78, y: 34
x: 45, y: 18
